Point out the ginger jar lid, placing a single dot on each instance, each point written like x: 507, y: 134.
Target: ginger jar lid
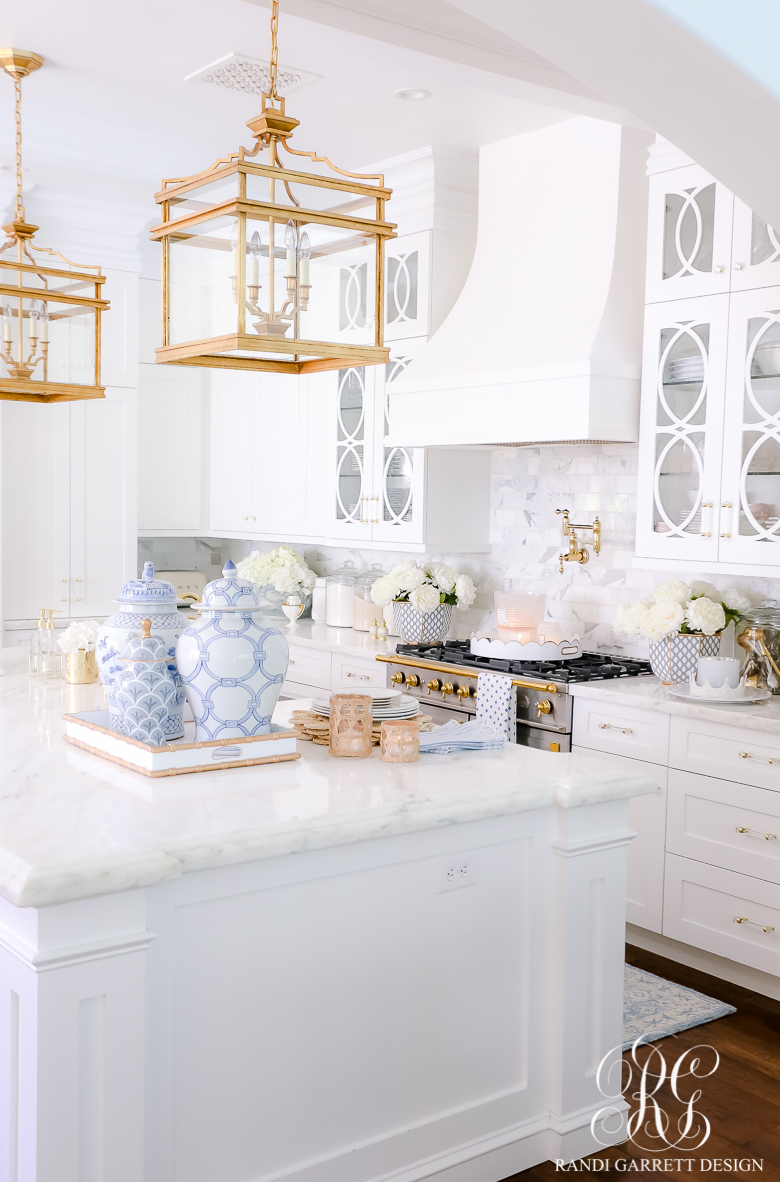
x: 147, y: 589
x: 230, y: 593
x: 145, y: 647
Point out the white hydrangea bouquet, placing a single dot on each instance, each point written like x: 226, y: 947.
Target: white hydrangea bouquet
x: 278, y: 574
x: 682, y: 622
x: 80, y: 635
x: 423, y: 597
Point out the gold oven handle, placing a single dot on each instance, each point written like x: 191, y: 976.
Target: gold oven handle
x: 521, y: 682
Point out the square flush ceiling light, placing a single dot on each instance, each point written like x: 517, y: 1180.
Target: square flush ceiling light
x: 236, y: 71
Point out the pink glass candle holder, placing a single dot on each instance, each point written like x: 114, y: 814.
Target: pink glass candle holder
x: 350, y: 725
x: 399, y: 740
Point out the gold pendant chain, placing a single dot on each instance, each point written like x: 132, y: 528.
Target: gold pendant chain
x: 274, y: 48
x: 18, y: 204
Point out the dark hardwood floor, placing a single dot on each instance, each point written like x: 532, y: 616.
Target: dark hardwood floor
x: 741, y: 1099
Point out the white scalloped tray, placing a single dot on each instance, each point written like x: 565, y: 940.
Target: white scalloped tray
x: 512, y: 650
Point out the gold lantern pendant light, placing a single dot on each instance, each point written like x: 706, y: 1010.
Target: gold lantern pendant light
x: 269, y: 267
x: 49, y: 309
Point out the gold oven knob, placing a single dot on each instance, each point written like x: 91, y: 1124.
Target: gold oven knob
x: 397, y: 678
x: 463, y: 691
x: 447, y: 688
x: 543, y: 707
x: 433, y: 685
x: 413, y: 680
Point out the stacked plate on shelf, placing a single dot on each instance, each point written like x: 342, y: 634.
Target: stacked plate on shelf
x: 685, y: 369
x: 388, y: 703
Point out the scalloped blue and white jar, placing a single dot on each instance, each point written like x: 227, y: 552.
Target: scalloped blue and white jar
x: 145, y: 688
x: 232, y: 661
x: 141, y: 599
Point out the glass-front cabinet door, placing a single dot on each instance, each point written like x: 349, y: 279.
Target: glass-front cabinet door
x: 352, y: 452
x: 408, y: 286
x: 683, y: 382
x: 688, y: 235
x: 755, y: 255
x: 399, y: 472
x: 750, y: 492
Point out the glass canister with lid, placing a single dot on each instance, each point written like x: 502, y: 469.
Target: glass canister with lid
x: 758, y: 633
x: 366, y: 611
x: 340, y: 600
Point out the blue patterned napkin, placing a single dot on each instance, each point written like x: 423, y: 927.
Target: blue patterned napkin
x: 461, y: 736
x: 497, y: 704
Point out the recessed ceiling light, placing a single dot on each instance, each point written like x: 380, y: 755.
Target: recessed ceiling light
x: 412, y: 94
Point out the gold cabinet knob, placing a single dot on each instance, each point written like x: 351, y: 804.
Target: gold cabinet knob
x: 463, y: 691
x: 706, y: 504
x: 725, y: 504
x: 718, y: 269
x: 433, y: 685
x: 397, y: 679
x: 543, y: 707
x: 739, y: 266
x: 412, y: 679
x: 725, y: 535
x: 447, y: 688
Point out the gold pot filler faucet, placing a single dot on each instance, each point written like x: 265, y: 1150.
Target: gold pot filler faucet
x: 575, y: 552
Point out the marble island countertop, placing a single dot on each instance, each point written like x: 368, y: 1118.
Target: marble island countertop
x: 73, y: 825
x: 648, y: 693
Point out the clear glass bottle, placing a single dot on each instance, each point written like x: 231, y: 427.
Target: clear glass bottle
x: 33, y: 658
x: 50, y: 654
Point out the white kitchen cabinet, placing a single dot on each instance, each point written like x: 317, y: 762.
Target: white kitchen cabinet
x: 755, y: 251
x: 171, y: 463
x: 647, y: 817
x: 749, y: 496
x: 681, y: 429
x: 689, y: 228
x: 69, y: 486
x: 408, y: 286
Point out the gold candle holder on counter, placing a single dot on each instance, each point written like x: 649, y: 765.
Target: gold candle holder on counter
x: 81, y: 667
x: 399, y: 740
x: 351, y: 716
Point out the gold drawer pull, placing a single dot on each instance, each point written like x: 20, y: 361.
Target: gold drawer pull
x: 765, y: 927
x: 772, y: 759
x: 611, y: 726
x: 747, y: 829
x: 360, y: 676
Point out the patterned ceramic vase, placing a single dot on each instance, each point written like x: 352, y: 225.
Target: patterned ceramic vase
x: 140, y: 599
x: 232, y: 660
x: 674, y: 658
x: 422, y: 627
x: 145, y: 688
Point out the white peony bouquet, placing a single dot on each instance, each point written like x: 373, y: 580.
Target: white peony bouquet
x: 80, y: 635
x: 424, y: 587
x: 283, y: 568
x: 680, y: 607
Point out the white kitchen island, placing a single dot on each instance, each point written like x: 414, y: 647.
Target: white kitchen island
x: 317, y: 971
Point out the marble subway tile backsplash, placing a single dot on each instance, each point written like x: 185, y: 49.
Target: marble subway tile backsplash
x: 528, y: 485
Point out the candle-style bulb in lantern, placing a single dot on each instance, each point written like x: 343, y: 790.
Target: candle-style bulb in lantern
x: 234, y: 252
x: 253, y: 264
x: 33, y: 318
x: 44, y: 319
x: 7, y: 323
x: 304, y: 253
x: 290, y: 242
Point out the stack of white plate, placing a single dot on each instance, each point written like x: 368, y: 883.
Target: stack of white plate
x: 685, y: 369
x: 388, y: 703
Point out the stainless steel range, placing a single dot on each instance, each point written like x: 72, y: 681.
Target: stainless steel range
x: 444, y: 678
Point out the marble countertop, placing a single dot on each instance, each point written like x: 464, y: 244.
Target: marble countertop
x: 73, y: 825
x: 346, y: 641
x: 648, y: 693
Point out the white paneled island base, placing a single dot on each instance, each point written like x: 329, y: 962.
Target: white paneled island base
x: 319, y: 971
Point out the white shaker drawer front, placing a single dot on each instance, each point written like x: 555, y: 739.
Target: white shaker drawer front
x: 729, y: 914
x: 726, y: 752
x: 734, y: 826
x: 647, y: 817
x: 311, y: 666
x: 623, y: 730
x: 352, y: 672
x: 296, y: 689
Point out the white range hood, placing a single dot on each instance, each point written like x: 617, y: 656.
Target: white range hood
x: 544, y: 343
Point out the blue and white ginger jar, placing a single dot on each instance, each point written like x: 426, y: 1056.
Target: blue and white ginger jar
x: 145, y: 688
x: 232, y: 660
x: 141, y: 599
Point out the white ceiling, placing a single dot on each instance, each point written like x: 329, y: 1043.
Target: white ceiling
x: 109, y: 114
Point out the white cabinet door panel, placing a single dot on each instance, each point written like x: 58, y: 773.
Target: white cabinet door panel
x: 647, y: 817
x: 119, y: 330
x: 689, y: 221
x: 681, y: 431
x: 310, y: 666
x: 755, y: 252
x: 703, y: 903
x: 623, y: 730
x: 734, y: 826
x: 725, y: 752
x: 169, y: 459
x: 350, y: 673
x: 408, y: 286
x: 230, y: 481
